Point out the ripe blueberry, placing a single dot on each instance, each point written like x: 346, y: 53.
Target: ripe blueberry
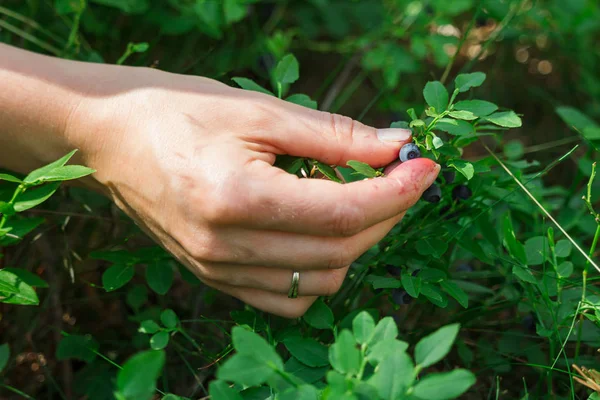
x: 393, y: 270
x: 409, y: 151
x: 400, y: 297
x: 529, y: 323
x: 433, y: 194
x: 461, y: 192
x: 449, y: 176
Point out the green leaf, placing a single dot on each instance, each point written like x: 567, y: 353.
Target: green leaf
x: 433, y: 293
x: 383, y: 282
x: 455, y: 127
x: 382, y: 350
x: 537, y: 250
x: 287, y: 70
x: 220, y: 390
x: 37, y: 174
x: 446, y: 385
x: 137, y: 379
x: 565, y: 269
x: 4, y: 355
x: 431, y: 246
x: 19, y: 228
x: 302, y: 100
x: 328, y: 172
x: 28, y: 277
x: 253, y: 345
x: 137, y: 296
x: 117, y: 276
x: 456, y: 292
x: 575, y: 118
x: 436, y: 96
x: 319, y: 315
x: 412, y: 284
x: 149, y: 326
x: 159, y: 340
x: 169, y: 318
x: 127, y: 6
x: 35, y: 196
x: 7, y: 209
x: 394, y: 375
x: 506, y: 119
x: 524, y: 273
x: 304, y: 372
x: 66, y: 173
x: 362, y: 168
x: 308, y: 351
x: 9, y: 178
x: 464, y: 167
x: 245, y: 370
x: 514, y: 247
x: 480, y: 108
x: 385, y: 329
x: 79, y: 347
x: 464, y: 82
x: 343, y: 354
x: 19, y: 293
x: 249, y: 84
x: 8, y: 284
x: 363, y: 327
x: 514, y: 150
x: 302, y: 392
x: 563, y: 248
x: 432, y: 348
x: 159, y: 276
x: 464, y: 115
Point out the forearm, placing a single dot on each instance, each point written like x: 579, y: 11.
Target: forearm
x: 37, y: 97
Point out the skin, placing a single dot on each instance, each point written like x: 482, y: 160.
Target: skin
x: 190, y: 160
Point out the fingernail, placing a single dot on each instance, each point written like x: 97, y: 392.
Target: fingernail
x: 394, y: 134
x: 431, y: 177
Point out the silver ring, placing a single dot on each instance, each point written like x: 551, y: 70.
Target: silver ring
x: 293, y: 292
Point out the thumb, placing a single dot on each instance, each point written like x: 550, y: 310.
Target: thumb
x: 335, y: 139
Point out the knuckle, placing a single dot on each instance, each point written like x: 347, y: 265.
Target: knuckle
x: 206, y: 248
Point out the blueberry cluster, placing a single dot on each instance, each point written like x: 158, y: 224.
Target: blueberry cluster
x: 433, y: 194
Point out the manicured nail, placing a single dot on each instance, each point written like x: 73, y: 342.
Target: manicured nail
x: 394, y: 134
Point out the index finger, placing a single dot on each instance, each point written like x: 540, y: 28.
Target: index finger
x: 285, y: 202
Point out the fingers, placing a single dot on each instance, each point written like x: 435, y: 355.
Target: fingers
x: 290, y: 250
x: 283, y: 202
x: 275, y: 280
x: 329, y: 138
x: 270, y: 302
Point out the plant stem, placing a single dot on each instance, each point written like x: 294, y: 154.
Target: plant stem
x: 20, y: 189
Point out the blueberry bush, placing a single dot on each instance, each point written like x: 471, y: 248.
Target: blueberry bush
x: 487, y: 289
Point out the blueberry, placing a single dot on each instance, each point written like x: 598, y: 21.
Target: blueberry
x: 400, y: 297
x: 461, y: 192
x: 393, y: 270
x: 464, y: 268
x: 409, y: 151
x: 528, y: 323
x: 433, y: 194
x: 449, y: 176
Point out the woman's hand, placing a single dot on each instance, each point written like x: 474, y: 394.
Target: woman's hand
x: 190, y: 160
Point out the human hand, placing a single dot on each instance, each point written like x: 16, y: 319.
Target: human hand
x: 190, y: 160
